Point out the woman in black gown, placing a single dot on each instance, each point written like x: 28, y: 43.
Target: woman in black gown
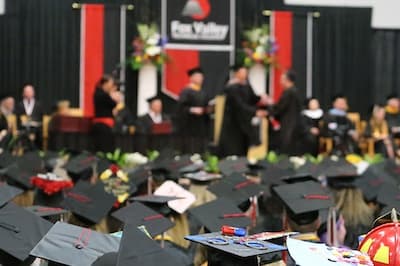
x: 311, y: 118
x: 192, y: 114
x: 104, y: 100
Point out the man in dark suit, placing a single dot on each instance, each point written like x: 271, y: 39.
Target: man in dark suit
x: 155, y: 115
x: 30, y: 114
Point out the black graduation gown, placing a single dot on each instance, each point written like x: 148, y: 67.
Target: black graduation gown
x: 103, y: 137
x: 338, y: 128
x: 123, y: 120
x: 37, y: 112
x: 192, y: 128
x: 288, y: 112
x: 4, y: 126
x: 145, y: 123
x: 237, y: 133
x: 310, y: 142
x: 393, y: 120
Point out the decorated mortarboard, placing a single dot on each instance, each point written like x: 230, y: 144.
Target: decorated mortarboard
x: 304, y: 200
x: 7, y: 193
x: 81, y: 166
x: 20, y: 231
x: 50, y: 183
x: 172, y: 189
x: 140, y: 215
x: 89, y: 201
x: 117, y: 183
x: 46, y: 211
x: 195, y: 70
x: 219, y: 212
x: 304, y: 252
x: 73, y: 245
x: 229, y: 166
x: 238, y: 248
x: 146, y: 252
x: 236, y: 187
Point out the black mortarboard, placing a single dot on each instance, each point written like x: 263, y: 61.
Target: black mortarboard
x: 230, y: 166
x: 89, y: 201
x: 7, y: 193
x: 20, y: 231
x: 255, y: 169
x: 138, y: 214
x: 19, y: 177
x: 196, y: 70
x: 389, y: 195
x: 171, y: 166
x: 157, y: 203
x: 236, y: 187
x: 298, y: 178
x: 81, y: 166
x: 6, y: 159
x: 392, y: 168
x: 273, y: 175
x: 102, y: 165
x: 146, y: 252
x: 220, y: 212
x: 202, y: 176
x: 108, y: 259
x: 46, y: 211
x: 284, y: 163
x: 155, y: 97
x: 372, y: 180
x: 140, y: 174
x: 238, y: 248
x: 304, y: 200
x: 191, y: 168
x: 31, y: 161
x: 73, y: 245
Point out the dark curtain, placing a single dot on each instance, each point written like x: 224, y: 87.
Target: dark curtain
x: 39, y: 40
x: 386, y: 64
x: 343, y: 57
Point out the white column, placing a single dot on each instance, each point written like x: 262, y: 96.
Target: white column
x: 147, y: 87
x: 258, y: 78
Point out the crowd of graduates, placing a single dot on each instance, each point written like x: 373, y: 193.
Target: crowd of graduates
x: 170, y: 207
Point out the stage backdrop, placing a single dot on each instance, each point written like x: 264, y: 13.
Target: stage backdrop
x: 200, y: 33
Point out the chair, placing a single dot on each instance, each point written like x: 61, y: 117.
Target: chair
x: 45, y: 128
x: 219, y: 117
x: 75, y: 112
x: 12, y: 124
x: 259, y: 152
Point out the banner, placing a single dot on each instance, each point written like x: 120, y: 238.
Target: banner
x: 200, y: 33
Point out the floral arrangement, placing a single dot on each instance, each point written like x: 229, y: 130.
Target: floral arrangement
x: 116, y: 182
x: 147, y: 47
x: 51, y: 183
x: 258, y: 47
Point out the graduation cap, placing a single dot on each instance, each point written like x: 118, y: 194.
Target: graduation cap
x: 140, y: 174
x: 146, y: 252
x: 155, y: 97
x: 236, y: 187
x: 73, y: 245
x: 192, y: 168
x: 108, y: 259
x: 220, y: 212
x: 389, y: 195
x: 255, y: 169
x: 138, y: 214
x: 20, y: 231
x: 172, y: 165
x: 19, y: 176
x: 230, y: 166
x: 8, y: 192
x: 50, y: 159
x: 304, y: 200
x: 46, y: 211
x: 195, y: 70
x: 202, y: 176
x: 81, y: 166
x: 156, y: 202
x: 89, y: 201
x: 237, y: 249
x: 298, y: 178
x: 6, y: 159
x: 31, y: 161
x: 172, y: 189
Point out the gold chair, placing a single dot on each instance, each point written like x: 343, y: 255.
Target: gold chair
x: 259, y: 152
x: 219, y: 117
x: 45, y: 128
x: 12, y: 124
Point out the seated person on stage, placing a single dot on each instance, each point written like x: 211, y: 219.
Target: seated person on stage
x: 145, y: 123
x: 338, y: 127
x: 392, y: 109
x: 378, y: 129
x: 6, y: 109
x: 311, y: 118
x: 30, y: 114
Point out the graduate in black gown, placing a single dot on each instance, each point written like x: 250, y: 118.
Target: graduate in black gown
x: 338, y: 127
x: 155, y: 115
x: 238, y: 132
x: 311, y: 118
x: 192, y: 114
x: 104, y: 100
x: 288, y: 112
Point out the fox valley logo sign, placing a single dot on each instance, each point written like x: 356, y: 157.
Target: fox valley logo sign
x: 199, y: 20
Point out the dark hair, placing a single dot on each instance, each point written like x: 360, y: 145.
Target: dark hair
x: 103, y: 80
x: 308, y: 100
x: 392, y: 96
x: 291, y: 75
x: 338, y: 96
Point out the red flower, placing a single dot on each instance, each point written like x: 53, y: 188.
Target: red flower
x: 51, y: 187
x: 114, y: 168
